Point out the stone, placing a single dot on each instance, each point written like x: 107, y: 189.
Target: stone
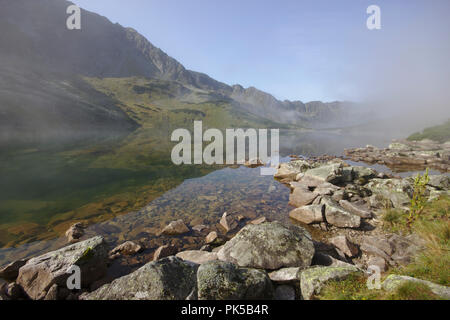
x: 259, y: 220
x: 363, y: 173
x: 52, y: 293
x: 207, y: 248
x: 75, y: 232
x: 269, y: 246
x: 440, y: 182
x: 323, y: 259
x: 127, y: 248
x: 175, y: 228
x: 228, y: 222
x: 405, y: 248
x: 337, y: 216
x: 397, y: 191
x: 313, y: 279
x: 338, y: 195
x: 14, y: 291
x: 393, y: 281
x: 38, y: 275
x: 218, y: 280
x: 285, y: 275
x: 214, y: 239
x: 11, y: 271
x: 284, y: 292
x: 197, y: 256
x: 355, y: 209
x: 378, y: 262
x: 291, y: 169
x: 302, y: 197
x: 308, y: 214
x: 379, y: 242
x: 329, y: 173
x: 345, y: 246
x: 199, y: 227
x: 169, y: 278
x: 164, y: 251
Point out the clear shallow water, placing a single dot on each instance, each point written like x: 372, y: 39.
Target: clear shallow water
x: 125, y: 194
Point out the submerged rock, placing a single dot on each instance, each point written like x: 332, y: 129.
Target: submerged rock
x: 269, y: 246
x: 75, y: 232
x: 228, y: 222
x: 127, y: 248
x: 218, y: 280
x: 175, y: 228
x: 40, y: 273
x: 167, y: 279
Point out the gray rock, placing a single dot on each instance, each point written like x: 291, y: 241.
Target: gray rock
x: 175, y: 228
x: 355, y: 209
x: 329, y: 173
x: 38, y: 275
x: 308, y: 214
x: 284, y: 292
x: 14, y: 291
x: 167, y: 279
x: 75, y: 232
x: 379, y: 242
x: 397, y: 191
x: 378, y: 262
x: 290, y: 170
x: 228, y: 222
x: 127, y: 248
x: 11, y: 271
x: 285, y: 275
x: 337, y: 216
x: 197, y: 256
x: 52, y: 293
x: 440, y: 182
x: 313, y: 279
x: 218, y: 280
x: 164, y: 251
x: 302, y: 197
x: 345, y: 246
x: 269, y: 246
x: 393, y: 281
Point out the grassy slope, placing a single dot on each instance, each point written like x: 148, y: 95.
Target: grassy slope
x: 432, y: 264
x: 439, y: 133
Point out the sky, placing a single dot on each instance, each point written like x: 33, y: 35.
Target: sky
x: 300, y: 49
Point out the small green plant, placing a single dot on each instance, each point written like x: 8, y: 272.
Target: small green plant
x: 419, y: 199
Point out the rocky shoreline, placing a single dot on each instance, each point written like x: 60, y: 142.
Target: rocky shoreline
x: 258, y: 259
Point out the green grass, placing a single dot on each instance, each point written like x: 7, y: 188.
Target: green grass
x: 439, y: 133
x: 433, y: 226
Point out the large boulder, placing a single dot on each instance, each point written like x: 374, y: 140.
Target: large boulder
x: 313, y: 279
x: 440, y: 182
x: 329, y: 173
x: 218, y: 280
x: 308, y: 214
x: 290, y: 170
x: 393, y: 281
x: 355, y: 209
x: 395, y: 191
x: 301, y: 196
x: 338, y: 216
x: 40, y: 273
x: 270, y: 245
x: 197, y: 256
x: 166, y: 279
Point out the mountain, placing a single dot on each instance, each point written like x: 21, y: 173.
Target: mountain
x: 46, y: 74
